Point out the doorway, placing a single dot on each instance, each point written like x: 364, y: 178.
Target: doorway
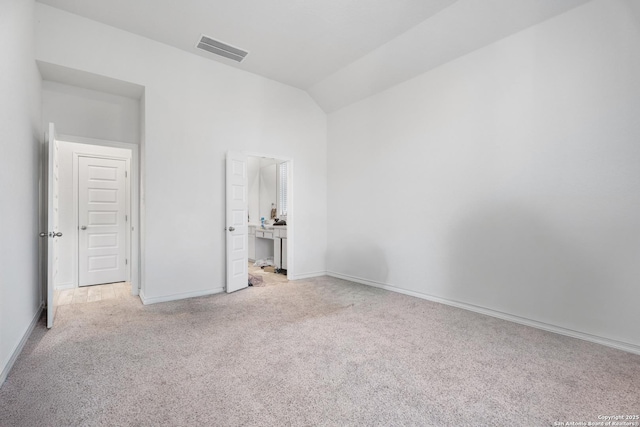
x: 99, y: 214
x: 259, y: 220
x: 268, y: 201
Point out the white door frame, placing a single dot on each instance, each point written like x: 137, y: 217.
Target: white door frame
x: 133, y: 231
x: 290, y: 208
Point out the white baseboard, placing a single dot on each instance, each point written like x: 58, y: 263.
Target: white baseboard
x: 174, y: 297
x: 308, y: 275
x: 20, y: 346
x: 620, y: 345
x: 62, y: 286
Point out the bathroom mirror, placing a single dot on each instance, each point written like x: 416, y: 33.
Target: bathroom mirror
x: 262, y: 188
x: 268, y: 191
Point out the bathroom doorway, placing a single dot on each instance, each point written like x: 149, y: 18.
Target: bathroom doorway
x: 268, y: 219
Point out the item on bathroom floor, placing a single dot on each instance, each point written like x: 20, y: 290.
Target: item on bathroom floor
x: 255, y: 280
x: 265, y: 262
x: 269, y: 269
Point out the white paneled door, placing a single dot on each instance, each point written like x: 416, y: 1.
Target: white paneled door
x: 102, y: 221
x: 236, y: 220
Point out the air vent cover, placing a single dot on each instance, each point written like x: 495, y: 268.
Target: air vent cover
x: 222, y: 49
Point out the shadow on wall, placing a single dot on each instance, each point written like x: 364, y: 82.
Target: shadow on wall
x: 507, y: 258
x: 358, y: 256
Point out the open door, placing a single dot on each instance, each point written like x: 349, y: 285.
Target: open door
x: 52, y: 234
x: 236, y: 220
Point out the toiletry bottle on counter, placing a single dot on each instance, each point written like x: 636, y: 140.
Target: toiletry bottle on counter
x: 262, y: 222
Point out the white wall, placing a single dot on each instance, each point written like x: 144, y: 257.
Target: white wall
x: 67, y: 250
x: 196, y: 110
x: 508, y: 179
x: 90, y: 113
x: 20, y: 293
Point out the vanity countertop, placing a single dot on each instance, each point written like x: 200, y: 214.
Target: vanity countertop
x: 269, y: 227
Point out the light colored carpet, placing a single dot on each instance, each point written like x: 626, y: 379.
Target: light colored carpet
x: 316, y: 352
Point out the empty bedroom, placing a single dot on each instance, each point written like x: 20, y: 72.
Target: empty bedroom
x: 414, y: 212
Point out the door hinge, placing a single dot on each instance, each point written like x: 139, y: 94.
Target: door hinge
x: 125, y: 174
x: 126, y: 261
x: 126, y: 218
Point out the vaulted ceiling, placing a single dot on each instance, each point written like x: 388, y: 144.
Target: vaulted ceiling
x: 340, y: 51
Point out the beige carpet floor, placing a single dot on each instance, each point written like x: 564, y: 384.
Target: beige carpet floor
x: 307, y: 353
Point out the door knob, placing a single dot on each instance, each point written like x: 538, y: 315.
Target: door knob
x: 84, y: 227
x: 43, y: 234
x: 232, y: 229
x: 58, y: 234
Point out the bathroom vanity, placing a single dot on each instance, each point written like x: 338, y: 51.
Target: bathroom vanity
x: 268, y: 242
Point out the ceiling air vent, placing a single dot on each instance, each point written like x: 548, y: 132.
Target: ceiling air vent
x: 222, y: 49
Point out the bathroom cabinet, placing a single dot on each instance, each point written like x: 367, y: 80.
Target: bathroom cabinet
x: 269, y: 242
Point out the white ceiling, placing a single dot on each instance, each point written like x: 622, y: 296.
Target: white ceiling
x: 297, y: 42
x: 459, y: 29
x: 339, y: 50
